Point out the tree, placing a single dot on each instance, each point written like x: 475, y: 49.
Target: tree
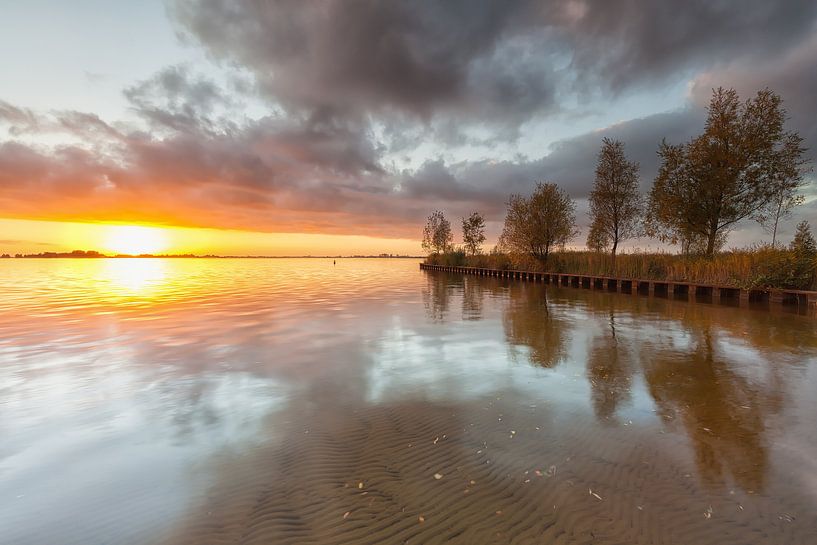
x: 804, y: 262
x: 534, y: 225
x: 473, y: 233
x: 803, y: 241
x: 786, y: 187
x: 616, y: 206
x: 437, y: 237
x: 597, y: 239
x: 727, y: 174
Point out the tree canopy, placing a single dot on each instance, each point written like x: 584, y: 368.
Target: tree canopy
x: 437, y: 236
x: 727, y: 174
x: 473, y: 233
x: 535, y: 225
x: 616, y: 207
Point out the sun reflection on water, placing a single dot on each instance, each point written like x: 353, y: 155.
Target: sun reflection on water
x: 129, y: 277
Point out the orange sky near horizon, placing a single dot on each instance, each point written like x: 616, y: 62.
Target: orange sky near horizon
x: 35, y: 236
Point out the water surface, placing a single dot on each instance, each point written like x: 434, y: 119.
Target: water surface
x: 293, y: 401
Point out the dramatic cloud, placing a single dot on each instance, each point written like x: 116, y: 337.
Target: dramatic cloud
x: 348, y: 86
x: 493, y: 59
x: 624, y: 43
x: 355, y: 58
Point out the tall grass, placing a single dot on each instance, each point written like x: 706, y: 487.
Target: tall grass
x: 756, y: 267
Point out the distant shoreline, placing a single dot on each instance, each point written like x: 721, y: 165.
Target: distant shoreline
x: 79, y: 254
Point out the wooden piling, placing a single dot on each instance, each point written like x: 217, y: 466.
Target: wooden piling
x: 802, y: 300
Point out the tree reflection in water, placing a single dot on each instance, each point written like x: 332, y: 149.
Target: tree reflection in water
x: 437, y: 294
x: 723, y: 413
x: 610, y: 369
x: 530, y: 322
x: 691, y: 366
x: 472, y: 297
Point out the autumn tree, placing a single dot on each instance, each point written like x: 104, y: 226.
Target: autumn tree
x: 437, y: 236
x: 803, y: 241
x: 597, y: 239
x: 616, y: 207
x: 725, y: 175
x: 535, y: 225
x: 786, y: 187
x: 473, y: 233
x: 804, y: 262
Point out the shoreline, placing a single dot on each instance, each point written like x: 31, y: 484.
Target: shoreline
x: 801, y: 300
x: 217, y: 257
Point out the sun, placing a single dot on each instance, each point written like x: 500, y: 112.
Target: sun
x: 135, y: 239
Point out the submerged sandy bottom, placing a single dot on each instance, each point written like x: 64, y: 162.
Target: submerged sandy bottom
x: 488, y: 472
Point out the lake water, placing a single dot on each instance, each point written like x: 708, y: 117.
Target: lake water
x: 293, y: 401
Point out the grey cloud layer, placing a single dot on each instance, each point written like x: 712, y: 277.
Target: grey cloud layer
x: 335, y: 74
x: 480, y: 56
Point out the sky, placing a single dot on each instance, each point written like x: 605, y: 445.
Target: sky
x: 335, y: 127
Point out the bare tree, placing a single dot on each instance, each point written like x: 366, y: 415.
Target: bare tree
x: 535, y: 225
x: 437, y: 236
x: 616, y: 207
x: 473, y: 233
x: 727, y: 174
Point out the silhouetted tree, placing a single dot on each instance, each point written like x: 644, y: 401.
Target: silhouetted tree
x: 728, y: 173
x: 535, y: 224
x: 473, y: 233
x: 437, y: 236
x: 616, y: 207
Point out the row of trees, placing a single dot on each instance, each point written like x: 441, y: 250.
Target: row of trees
x: 743, y: 166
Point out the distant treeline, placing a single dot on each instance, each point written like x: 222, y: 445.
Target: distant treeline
x: 744, y: 166
x: 94, y: 254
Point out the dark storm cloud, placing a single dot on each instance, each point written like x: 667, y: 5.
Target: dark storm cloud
x: 489, y: 59
x: 402, y: 57
x: 632, y: 41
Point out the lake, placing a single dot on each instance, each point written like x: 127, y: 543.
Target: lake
x: 296, y: 401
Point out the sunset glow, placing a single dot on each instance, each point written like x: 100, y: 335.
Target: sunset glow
x: 136, y: 240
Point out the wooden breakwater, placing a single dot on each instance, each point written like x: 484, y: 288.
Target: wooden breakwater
x: 801, y: 299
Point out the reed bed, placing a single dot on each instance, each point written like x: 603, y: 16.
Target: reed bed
x: 758, y: 267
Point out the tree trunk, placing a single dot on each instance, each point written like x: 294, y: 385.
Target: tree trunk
x: 776, y: 220
x: 710, y: 242
x: 712, y: 236
x: 613, y: 254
